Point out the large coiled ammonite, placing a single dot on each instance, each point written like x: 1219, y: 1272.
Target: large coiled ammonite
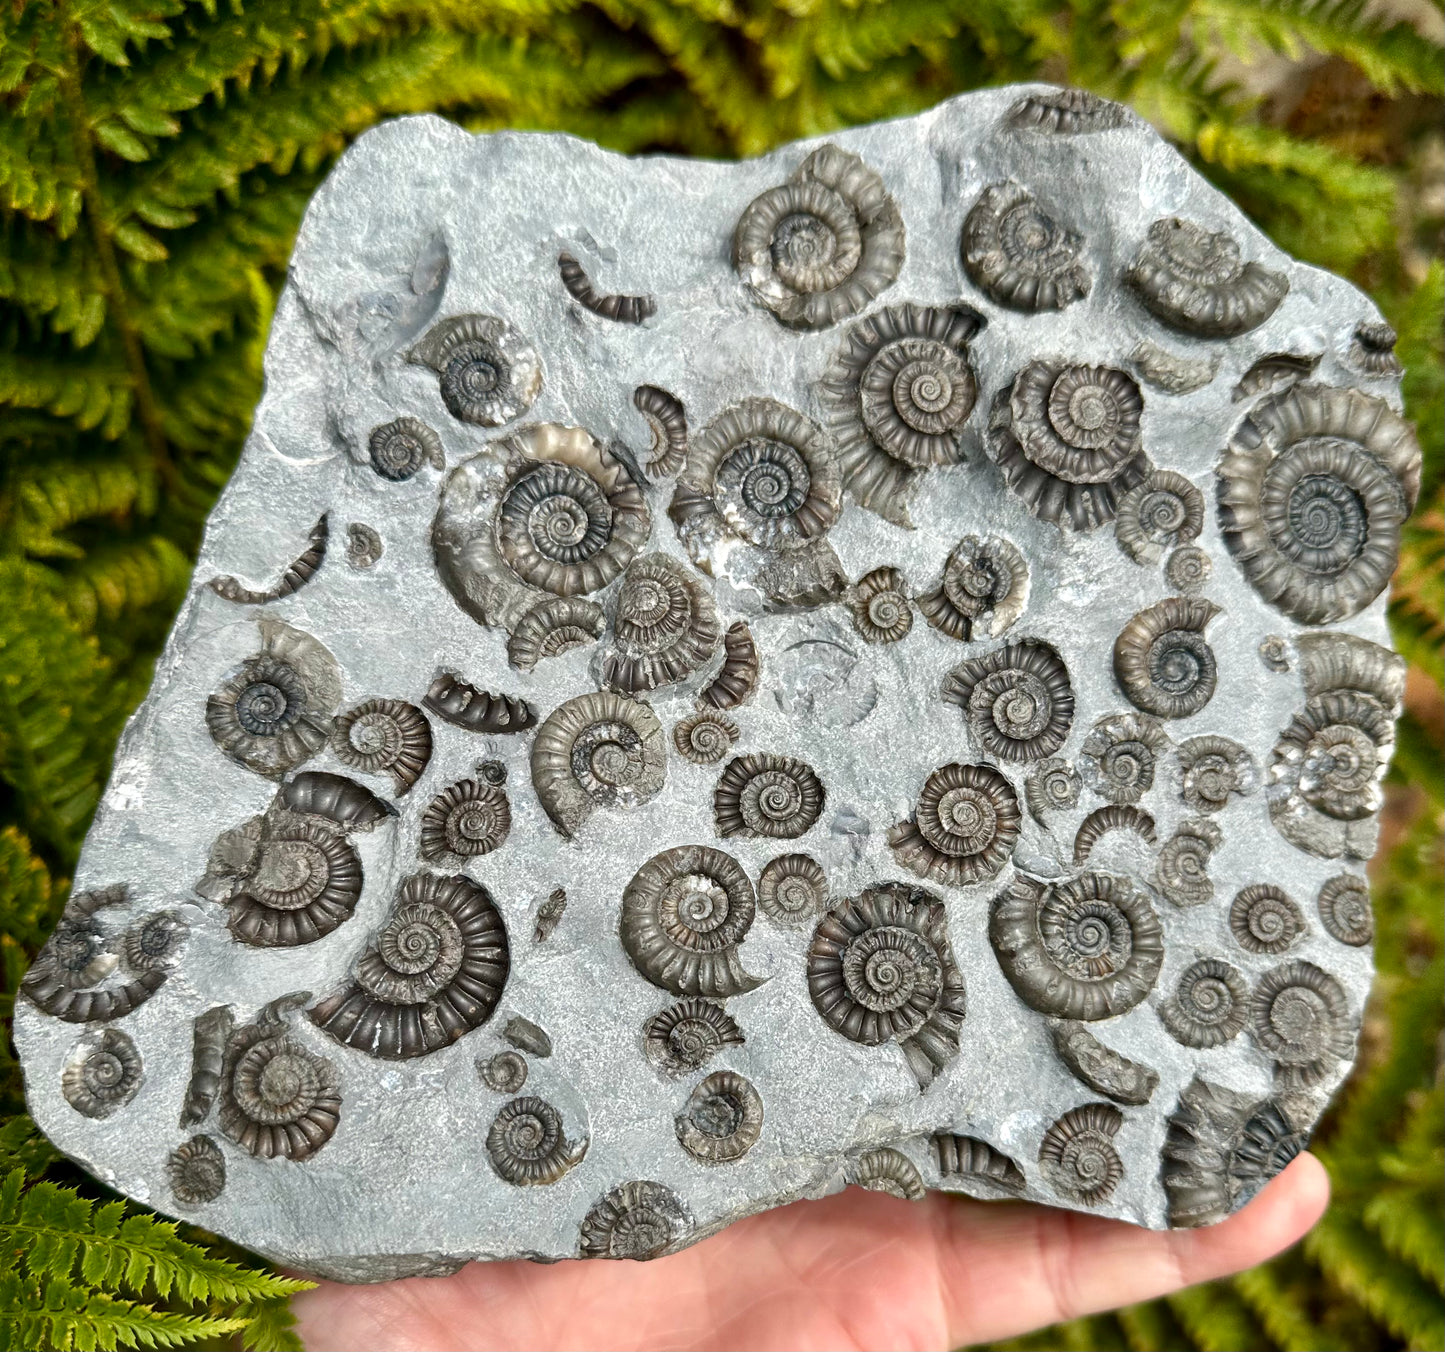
x: 767, y: 795
x: 1017, y: 700
x: 1018, y: 254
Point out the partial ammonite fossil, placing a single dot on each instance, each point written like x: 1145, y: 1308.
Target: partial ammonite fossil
x: 977, y: 1162
x: 766, y: 795
x: 889, y: 1171
x: 684, y: 913
x: 489, y: 372
x: 1104, y: 1070
x: 705, y: 737
x: 1067, y: 440
x: 1051, y: 786
x: 467, y: 819
x: 1114, y: 817
x: 1077, y: 1154
x: 898, y: 395
x: 793, y: 889
x: 465, y: 706
x: 504, y: 1073
x: 152, y: 944
x: 553, y: 627
x: 1209, y: 1006
x: 880, y: 606
x: 527, y: 1146
x: 274, y: 710
x: 1211, y: 769
x: 1194, y: 280
x: 737, y: 678
x: 196, y: 1171
x: 1067, y: 112
x: 687, y: 1035
x: 1017, y: 700
x: 624, y: 309
x: 400, y: 448
x: 1372, y: 350
x: 1087, y: 947
x: 1182, y: 873
x: 639, y: 1220
x: 1313, y: 489
x: 210, y: 1032
x: 880, y: 969
x: 549, y: 915
x: 1300, y: 1017
x: 337, y: 799
x: 1120, y: 757
x: 1272, y: 372
x: 1265, y: 919
x: 296, y: 574
x: 384, y: 736
x: 1171, y: 372
x: 1162, y: 510
x: 432, y: 974
x: 818, y: 248
x: 665, y: 626
x: 600, y: 750
x: 1163, y: 662
x: 103, y: 1073
x: 964, y: 827
x: 364, y: 547
x: 722, y: 1118
x: 667, y: 419
x: 1018, y: 253
x: 983, y: 590
x: 1345, y: 912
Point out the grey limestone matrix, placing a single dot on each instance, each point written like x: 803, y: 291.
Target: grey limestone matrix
x: 715, y: 682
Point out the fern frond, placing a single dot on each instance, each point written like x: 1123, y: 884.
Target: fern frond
x: 44, y: 500
x: 93, y: 391
x: 124, y: 579
x: 1215, y: 1318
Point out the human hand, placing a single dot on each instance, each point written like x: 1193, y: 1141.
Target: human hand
x: 858, y: 1270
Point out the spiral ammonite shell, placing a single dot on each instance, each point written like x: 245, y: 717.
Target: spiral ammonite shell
x: 1211, y: 769
x: 1018, y: 254
x: 1017, y: 700
x: 1209, y: 1007
x: 1182, y: 874
x: 506, y: 1072
x: 1052, y: 786
x: 705, y: 737
x: 277, y: 1098
x: 637, y: 1220
x: 489, y: 373
x: 302, y: 881
x: 1078, y: 1155
x: 983, y: 590
x: 889, y: 1171
x: 196, y: 1171
x: 103, y: 1074
x: 384, y: 736
x: 152, y: 945
x: 767, y: 795
x: 526, y: 1144
x: 687, y: 1035
x: 553, y: 627
x: 722, y: 1118
x: 1114, y: 817
x: 879, y: 602
x: 1265, y: 919
x: 1162, y: 661
x: 792, y: 889
x: 266, y: 718
x: 400, y: 448
x: 467, y: 819
x: 964, y: 827
x: 1188, y: 570
x: 1120, y: 756
x: 665, y: 626
x: 1162, y: 510
x: 1344, y: 907
x: 1300, y: 1017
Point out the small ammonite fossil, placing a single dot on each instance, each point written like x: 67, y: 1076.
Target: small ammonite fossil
x: 1212, y: 768
x: 527, y: 1146
x: 664, y: 626
x: 1265, y: 919
x: 468, y: 819
x: 1051, y: 786
x: 624, y: 309
x: 1344, y: 907
x: 1017, y: 252
x: 639, y: 1220
x: 705, y: 737
x: 297, y: 573
x: 476, y: 710
x: 1017, y: 700
x: 1087, y: 947
x: 889, y: 1171
x: 684, y: 914
x: 1103, y: 1069
x: 103, y: 1074
x: 1182, y: 873
x: 1121, y: 754
x: 1162, y: 510
x: 597, y: 750
x: 1077, y: 1154
x: 1171, y: 372
x: 553, y: 627
x: 1209, y: 1007
x: 880, y: 969
x: 737, y: 678
x: 793, y: 889
x: 489, y: 373
x: 1372, y: 350
x: 1162, y: 661
x: 364, y: 547
x: 341, y: 801
x: 528, y: 1037
x: 400, y: 448
x: 1300, y: 1017
x: 721, y: 1120
x: 667, y: 419
x: 210, y: 1032
x: 879, y: 602
x: 1273, y: 372
x: 1274, y: 652
x: 549, y: 915
x: 196, y: 1171
x: 1114, y: 817
x: 1194, y: 280
x: 1188, y: 570
x: 964, y: 827
x: 506, y: 1072
x: 818, y: 248
x: 687, y: 1035
x: 766, y: 795
x: 967, y: 1157
x: 151, y: 945
x: 1067, y: 440
x: 1067, y: 112
x: 384, y: 736
x: 983, y: 590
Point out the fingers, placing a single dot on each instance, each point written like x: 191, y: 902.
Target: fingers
x: 1005, y: 1270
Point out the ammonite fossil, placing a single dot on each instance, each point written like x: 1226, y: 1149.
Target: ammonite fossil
x: 1051, y: 786
x: 636, y: 1220
x: 737, y: 678
x: 1274, y: 371
x: 489, y: 373
x: 687, y: 1035
x: 964, y: 826
x: 880, y: 969
x: 527, y: 1036
x: 1019, y: 254
x: 1313, y: 488
x: 210, y: 1032
x: 1162, y: 661
x: 664, y: 627
x: 384, y: 736
x: 1163, y: 509
x: 1182, y: 873
x: 553, y: 627
x: 400, y: 448
x: 274, y: 711
x: 599, y: 750
x: 1103, y: 1069
x: 103, y: 1074
x: 1372, y: 351
x: 1086, y: 948
x: 1344, y: 907
x: 1077, y: 1154
x: 1171, y: 372
x: 527, y: 1146
x: 1017, y: 700
x: 705, y: 737
x: 339, y: 800
x: 1274, y: 652
x: 1209, y: 1007
x: 549, y: 915
x: 476, y: 710
x: 983, y: 590
x: 1300, y: 1017
x: 506, y: 1072
x: 889, y: 1171
x: 684, y: 914
x: 1265, y: 919
x: 898, y: 395
x: 1121, y: 754
x: 1067, y: 441
x: 151, y: 945
x: 431, y: 974
x: 196, y: 1171
x: 967, y: 1157
x: 1188, y: 570
x: 667, y: 418
x: 767, y: 795
x: 1211, y: 769
x: 1194, y: 280
x: 1221, y: 1148
x: 1067, y: 112
x: 818, y: 248
x: 363, y: 546
x: 1114, y: 817
x: 721, y: 1120
x: 467, y: 819
x: 879, y: 602
x: 624, y: 309
x: 793, y: 889
x: 297, y: 573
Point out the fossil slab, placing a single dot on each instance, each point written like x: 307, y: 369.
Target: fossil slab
x: 714, y: 682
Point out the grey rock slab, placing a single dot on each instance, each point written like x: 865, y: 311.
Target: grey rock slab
x: 391, y: 898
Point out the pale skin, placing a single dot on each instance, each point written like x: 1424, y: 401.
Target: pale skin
x: 855, y: 1272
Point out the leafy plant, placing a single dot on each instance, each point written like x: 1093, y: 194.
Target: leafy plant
x: 155, y: 159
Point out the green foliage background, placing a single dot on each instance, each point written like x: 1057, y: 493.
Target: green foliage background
x: 155, y: 159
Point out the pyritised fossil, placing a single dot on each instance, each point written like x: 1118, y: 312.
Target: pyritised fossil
x: 664, y: 627
x: 721, y: 1120
x: 210, y: 1034
x: 737, y: 678
x: 527, y: 1146
x: 624, y: 309
x: 1067, y: 112
x: 705, y: 737
x: 1162, y: 661
x: 1052, y: 786
x: 363, y: 546
x: 196, y: 1171
x: 400, y: 448
x: 1209, y: 1006
x: 890, y: 1171
x: 1161, y: 510
x: 1299, y: 1015
x: 1103, y: 1070
x: 1264, y: 919
x: 1344, y: 907
x: 1018, y: 701
x: 297, y: 573
x: 1115, y: 817
x: 1019, y: 254
x: 384, y: 736
x: 667, y: 418
x: 983, y: 590
x: 553, y: 627
x: 1182, y: 874
x: 969, y: 1158
x: 488, y: 372
x: 687, y: 1035
x: 1078, y: 1155
x: 103, y: 1074
x: 1120, y: 757
x: 963, y: 828
x: 477, y: 710
x: 636, y: 1220
x: 792, y: 889
x: 881, y: 611
x: 766, y: 795
x: 469, y: 818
